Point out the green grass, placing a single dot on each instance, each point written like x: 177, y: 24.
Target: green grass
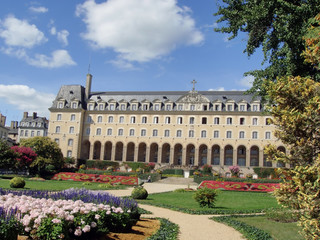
x: 227, y: 202
x: 278, y: 230
x: 54, y: 185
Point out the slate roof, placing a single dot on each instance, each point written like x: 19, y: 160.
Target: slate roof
x: 69, y: 93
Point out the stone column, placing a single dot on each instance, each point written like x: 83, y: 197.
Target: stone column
x: 124, y: 153
x: 247, y: 157
x: 171, y: 159
x: 184, y: 155
x: 159, y: 154
x: 148, y: 154
x: 113, y: 152
x: 91, y: 151
x: 221, y: 157
x: 136, y: 151
x: 196, y: 156
x: 261, y: 158
x: 102, y: 151
x: 209, y: 156
x: 234, y: 157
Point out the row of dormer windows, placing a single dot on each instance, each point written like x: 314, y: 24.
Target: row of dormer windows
x: 30, y: 124
x: 167, y: 107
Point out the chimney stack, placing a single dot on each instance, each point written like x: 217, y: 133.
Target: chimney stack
x: 25, y: 114
x: 88, y: 85
x: 34, y: 115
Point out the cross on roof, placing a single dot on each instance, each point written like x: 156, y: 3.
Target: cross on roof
x: 194, y: 83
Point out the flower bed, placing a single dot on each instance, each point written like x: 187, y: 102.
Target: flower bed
x: 125, y: 180
x: 57, y: 216
x: 240, y: 186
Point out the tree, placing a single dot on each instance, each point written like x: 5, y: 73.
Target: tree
x: 24, y: 156
x: 278, y: 26
x: 295, y: 107
x: 7, y: 156
x: 48, y: 152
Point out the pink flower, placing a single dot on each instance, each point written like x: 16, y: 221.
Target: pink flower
x: 86, y: 228
x: 78, y: 232
x: 55, y: 220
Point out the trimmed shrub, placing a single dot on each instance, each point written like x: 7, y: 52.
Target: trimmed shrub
x: 265, y: 172
x: 173, y: 171
x: 17, y: 182
x: 101, y: 164
x: 139, y: 193
x: 206, y: 197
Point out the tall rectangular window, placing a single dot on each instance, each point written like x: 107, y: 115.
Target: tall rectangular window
x: 144, y: 119
x: 229, y: 120
x: 203, y: 134
x: 109, y: 131
x: 99, y: 119
x: 133, y: 119
x: 71, y: 130
x: 254, y: 135
x: 255, y: 121
x: 59, y: 117
x: 143, y: 132
x: 131, y: 132
x: 156, y: 120
x: 120, y: 132
x: 57, y: 129
x: 204, y: 120
x: 166, y: 133
x: 73, y: 117
x: 121, y: 119
x: 216, y: 134
x: 216, y: 121
x: 167, y: 120
x: 179, y: 120
x: 191, y: 133
x: 110, y: 119
x: 70, y: 142
x: 268, y: 135
x: 229, y: 134
x: 241, y: 134
x: 242, y: 121
x: 155, y: 133
x: 98, y: 132
x: 179, y: 133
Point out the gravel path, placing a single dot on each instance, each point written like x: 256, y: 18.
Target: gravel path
x: 192, y: 227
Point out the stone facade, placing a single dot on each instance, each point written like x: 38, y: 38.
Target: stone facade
x: 220, y: 128
x: 32, y: 126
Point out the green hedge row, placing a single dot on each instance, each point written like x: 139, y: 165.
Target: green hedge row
x: 168, y: 231
x: 101, y: 164
x: 265, y: 172
x: 249, y: 232
x: 173, y: 171
x: 198, y: 180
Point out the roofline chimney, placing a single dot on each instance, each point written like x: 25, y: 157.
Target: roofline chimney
x: 25, y: 114
x: 88, y: 85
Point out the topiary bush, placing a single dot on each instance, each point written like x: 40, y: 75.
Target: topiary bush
x: 139, y: 193
x: 17, y: 182
x: 206, y: 197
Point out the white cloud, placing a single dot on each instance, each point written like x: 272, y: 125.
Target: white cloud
x: 59, y: 58
x: 20, y: 33
x: 38, y: 9
x: 53, y: 30
x: 63, y: 37
x: 27, y: 99
x: 246, y: 81
x: 139, y: 30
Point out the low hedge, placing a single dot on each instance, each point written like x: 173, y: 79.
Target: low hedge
x: 168, y: 231
x: 249, y: 232
x: 101, y: 164
x: 173, y: 171
x: 198, y: 180
x: 265, y: 172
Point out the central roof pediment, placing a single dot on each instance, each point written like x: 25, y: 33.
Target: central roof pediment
x: 193, y: 97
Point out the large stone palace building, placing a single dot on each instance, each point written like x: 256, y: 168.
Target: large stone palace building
x: 186, y: 128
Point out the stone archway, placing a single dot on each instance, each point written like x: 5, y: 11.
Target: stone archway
x: 254, y: 156
x: 165, y: 154
x: 96, y: 150
x: 215, y: 155
x: 130, y: 152
x: 190, y: 155
x: 119, y: 151
x: 107, y: 151
x: 241, y: 155
x: 203, y: 155
x: 177, y: 156
x: 228, y: 155
x: 142, y: 152
x: 154, y: 152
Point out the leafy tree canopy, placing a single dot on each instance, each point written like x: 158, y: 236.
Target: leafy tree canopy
x: 278, y: 26
x: 7, y: 156
x: 48, y: 152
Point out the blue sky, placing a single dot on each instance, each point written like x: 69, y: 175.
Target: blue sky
x: 131, y: 45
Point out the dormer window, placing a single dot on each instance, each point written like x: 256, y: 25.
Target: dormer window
x: 101, y: 106
x: 168, y: 107
x: 74, y: 105
x: 242, y: 108
x: 180, y: 107
x: 134, y: 107
x: 229, y: 107
x: 122, y: 107
x: 90, y: 107
x: 217, y: 107
x: 156, y: 107
x: 145, y: 107
x: 255, y: 107
x: 192, y: 107
x: 60, y: 105
x: 111, y: 107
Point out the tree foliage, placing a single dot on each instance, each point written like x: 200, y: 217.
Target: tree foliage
x: 278, y: 27
x: 48, y: 152
x: 24, y: 156
x: 295, y: 107
x: 7, y: 156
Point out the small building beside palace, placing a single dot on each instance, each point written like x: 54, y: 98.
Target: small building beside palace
x: 32, y: 126
x: 177, y: 128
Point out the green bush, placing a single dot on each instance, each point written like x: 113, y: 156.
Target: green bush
x: 139, y: 193
x: 206, y: 197
x: 17, y: 182
x: 101, y: 164
x: 173, y: 171
x: 264, y: 172
x: 10, y: 228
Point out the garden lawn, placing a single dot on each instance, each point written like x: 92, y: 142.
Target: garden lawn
x: 278, y: 230
x: 227, y: 202
x: 54, y: 185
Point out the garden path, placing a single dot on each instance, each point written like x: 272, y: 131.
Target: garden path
x: 192, y: 227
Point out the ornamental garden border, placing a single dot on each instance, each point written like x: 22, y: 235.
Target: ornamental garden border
x: 240, y: 186
x: 125, y: 180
